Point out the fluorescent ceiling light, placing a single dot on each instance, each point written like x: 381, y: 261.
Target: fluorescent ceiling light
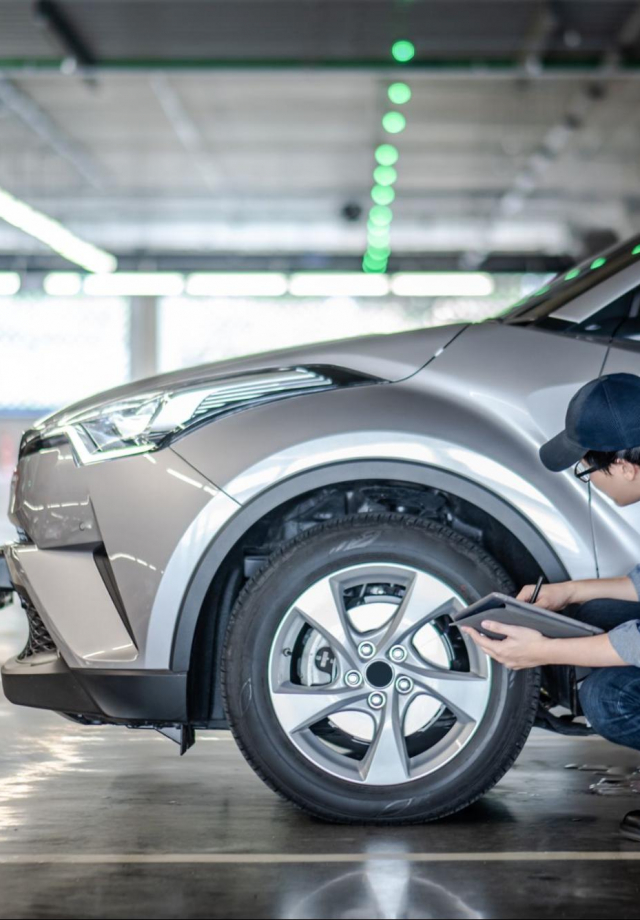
x: 135, y: 284
x: 236, y: 284
x: 9, y: 283
x: 442, y: 284
x: 338, y: 284
x: 49, y: 231
x: 62, y: 284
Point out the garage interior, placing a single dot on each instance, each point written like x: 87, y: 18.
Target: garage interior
x: 207, y: 169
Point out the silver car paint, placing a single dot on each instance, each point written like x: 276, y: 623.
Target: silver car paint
x: 480, y: 410
x: 617, y: 530
x: 391, y: 357
x: 145, y: 504
x: 148, y: 509
x: 66, y: 589
x: 455, y: 415
x: 51, y: 502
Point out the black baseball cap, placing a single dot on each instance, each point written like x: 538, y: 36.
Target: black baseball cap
x: 603, y: 415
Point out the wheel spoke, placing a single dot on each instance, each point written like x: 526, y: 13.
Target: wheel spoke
x: 299, y: 707
x: 462, y: 695
x: 424, y: 600
x: 388, y: 680
x: 386, y: 762
x: 321, y: 607
x: 421, y: 667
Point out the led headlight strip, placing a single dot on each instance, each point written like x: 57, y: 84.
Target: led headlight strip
x: 376, y: 257
x: 150, y: 419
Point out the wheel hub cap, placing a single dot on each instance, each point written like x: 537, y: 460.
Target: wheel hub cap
x: 390, y: 720
x: 379, y: 674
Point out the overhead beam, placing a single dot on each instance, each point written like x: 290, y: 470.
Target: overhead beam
x: 291, y: 262
x: 56, y: 21
x: 479, y: 68
x: 185, y: 128
x: 542, y: 28
x: 35, y: 118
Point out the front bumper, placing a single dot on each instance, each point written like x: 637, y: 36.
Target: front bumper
x: 98, y: 556
x: 40, y: 677
x: 44, y: 681
x: 94, y: 547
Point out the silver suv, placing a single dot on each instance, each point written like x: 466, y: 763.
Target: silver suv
x: 275, y: 545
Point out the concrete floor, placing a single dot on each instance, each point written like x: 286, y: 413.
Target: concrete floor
x: 105, y: 822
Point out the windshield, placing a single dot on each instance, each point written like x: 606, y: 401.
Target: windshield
x: 568, y: 284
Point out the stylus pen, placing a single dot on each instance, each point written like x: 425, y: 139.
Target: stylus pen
x: 536, y: 590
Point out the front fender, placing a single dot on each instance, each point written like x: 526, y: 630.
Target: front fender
x: 214, y: 547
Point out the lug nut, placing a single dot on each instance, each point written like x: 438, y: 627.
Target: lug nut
x: 376, y: 700
x: 366, y: 650
x: 404, y: 685
x: 398, y: 653
x: 353, y: 679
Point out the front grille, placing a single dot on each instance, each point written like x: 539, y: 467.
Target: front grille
x: 39, y: 639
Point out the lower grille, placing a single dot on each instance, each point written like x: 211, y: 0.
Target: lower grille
x: 39, y: 639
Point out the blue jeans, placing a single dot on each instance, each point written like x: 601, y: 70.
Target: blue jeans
x: 610, y: 697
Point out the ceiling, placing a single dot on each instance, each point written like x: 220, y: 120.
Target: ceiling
x: 234, y: 132
x: 356, y: 32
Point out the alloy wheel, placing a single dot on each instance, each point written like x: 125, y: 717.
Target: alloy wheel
x: 371, y: 680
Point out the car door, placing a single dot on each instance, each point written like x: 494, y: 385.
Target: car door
x: 593, y: 331
x: 623, y: 357
x: 586, y: 336
x: 596, y: 301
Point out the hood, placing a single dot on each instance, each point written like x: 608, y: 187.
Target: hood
x: 390, y: 357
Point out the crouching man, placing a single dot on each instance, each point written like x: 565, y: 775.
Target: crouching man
x: 601, y: 440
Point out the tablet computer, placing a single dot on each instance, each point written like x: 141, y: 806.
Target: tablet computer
x: 505, y: 609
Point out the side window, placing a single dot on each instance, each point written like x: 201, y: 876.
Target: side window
x: 604, y: 324
x: 628, y: 332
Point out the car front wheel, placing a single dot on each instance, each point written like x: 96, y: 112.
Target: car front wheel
x: 348, y: 686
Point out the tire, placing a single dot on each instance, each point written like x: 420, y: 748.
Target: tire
x: 326, y: 777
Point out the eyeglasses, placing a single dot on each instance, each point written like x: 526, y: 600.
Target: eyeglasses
x: 584, y: 472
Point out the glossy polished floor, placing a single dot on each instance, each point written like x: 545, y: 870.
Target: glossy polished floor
x: 101, y: 822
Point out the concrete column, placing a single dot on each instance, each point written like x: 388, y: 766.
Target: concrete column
x: 143, y: 337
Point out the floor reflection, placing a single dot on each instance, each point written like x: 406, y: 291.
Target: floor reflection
x: 380, y: 890
x: 111, y: 795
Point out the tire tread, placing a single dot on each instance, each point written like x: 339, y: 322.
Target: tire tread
x: 464, y: 546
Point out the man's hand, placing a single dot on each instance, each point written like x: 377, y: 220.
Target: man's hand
x: 527, y: 648
x: 523, y: 647
x: 551, y: 597
x: 558, y: 596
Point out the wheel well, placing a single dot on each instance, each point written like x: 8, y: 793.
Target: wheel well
x: 306, y: 510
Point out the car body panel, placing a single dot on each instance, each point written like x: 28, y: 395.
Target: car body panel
x: 158, y: 496
x: 157, y: 513
x: 50, y: 500
x: 66, y: 589
x: 617, y: 529
x: 460, y: 407
x: 390, y: 357
x: 144, y: 504
x: 467, y: 425
x: 388, y: 470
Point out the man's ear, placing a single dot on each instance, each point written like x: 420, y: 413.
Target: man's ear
x: 630, y: 471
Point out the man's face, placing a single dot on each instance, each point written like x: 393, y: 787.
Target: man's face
x: 621, y: 482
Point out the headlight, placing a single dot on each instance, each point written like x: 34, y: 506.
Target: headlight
x: 149, y: 420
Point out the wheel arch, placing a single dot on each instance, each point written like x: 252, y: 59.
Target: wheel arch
x: 217, y: 578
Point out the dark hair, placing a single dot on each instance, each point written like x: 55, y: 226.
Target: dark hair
x: 604, y: 459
